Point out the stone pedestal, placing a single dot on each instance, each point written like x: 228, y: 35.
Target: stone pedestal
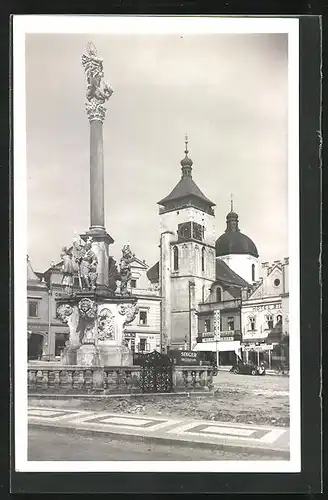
x: 88, y: 355
x: 114, y: 355
x: 97, y: 332
x: 100, y: 246
x: 68, y: 356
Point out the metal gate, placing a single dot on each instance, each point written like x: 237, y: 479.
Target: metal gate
x: 156, y: 373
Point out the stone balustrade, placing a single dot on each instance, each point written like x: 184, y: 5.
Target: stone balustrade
x: 55, y: 378
x: 189, y: 378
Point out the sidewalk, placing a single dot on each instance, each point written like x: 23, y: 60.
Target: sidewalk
x: 187, y: 432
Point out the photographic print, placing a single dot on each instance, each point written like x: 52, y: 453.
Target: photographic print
x: 156, y: 244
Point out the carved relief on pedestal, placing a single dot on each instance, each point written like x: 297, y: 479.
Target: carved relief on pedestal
x: 89, y: 333
x: 130, y: 310
x: 87, y: 308
x: 64, y: 311
x: 106, y: 325
x: 70, y: 315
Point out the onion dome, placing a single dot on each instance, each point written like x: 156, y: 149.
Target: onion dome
x: 232, y: 241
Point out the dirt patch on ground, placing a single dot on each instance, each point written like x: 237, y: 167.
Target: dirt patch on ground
x: 239, y: 399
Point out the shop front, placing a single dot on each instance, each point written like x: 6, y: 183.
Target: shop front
x: 227, y: 350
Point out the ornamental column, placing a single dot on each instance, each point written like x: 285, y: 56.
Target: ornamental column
x: 97, y: 94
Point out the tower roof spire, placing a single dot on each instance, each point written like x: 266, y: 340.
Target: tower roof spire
x: 231, y: 202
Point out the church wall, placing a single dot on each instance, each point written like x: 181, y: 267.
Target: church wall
x: 242, y: 265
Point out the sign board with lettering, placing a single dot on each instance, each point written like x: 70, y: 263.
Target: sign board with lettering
x: 216, y: 323
x: 185, y: 357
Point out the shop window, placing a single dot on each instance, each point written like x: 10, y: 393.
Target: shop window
x: 253, y: 272
x: 33, y: 309
x: 142, y: 318
x: 207, y: 325
x: 133, y: 283
x: 231, y: 323
x: 203, y: 259
x: 218, y: 295
x: 175, y: 258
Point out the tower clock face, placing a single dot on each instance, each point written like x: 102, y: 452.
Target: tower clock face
x: 197, y: 231
x: 184, y: 231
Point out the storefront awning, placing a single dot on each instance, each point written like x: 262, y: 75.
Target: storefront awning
x: 233, y: 346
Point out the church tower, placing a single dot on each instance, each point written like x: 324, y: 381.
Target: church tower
x: 187, y: 257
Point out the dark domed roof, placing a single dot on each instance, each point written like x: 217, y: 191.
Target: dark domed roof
x: 232, y: 241
x: 186, y: 161
x: 235, y: 242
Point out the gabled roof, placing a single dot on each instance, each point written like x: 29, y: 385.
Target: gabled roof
x: 227, y: 275
x: 186, y: 188
x: 140, y: 262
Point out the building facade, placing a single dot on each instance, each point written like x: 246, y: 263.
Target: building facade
x: 264, y: 314
x: 219, y: 316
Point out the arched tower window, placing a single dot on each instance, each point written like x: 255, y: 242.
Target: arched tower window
x: 218, y: 295
x: 175, y: 258
x: 253, y: 272
x: 203, y: 259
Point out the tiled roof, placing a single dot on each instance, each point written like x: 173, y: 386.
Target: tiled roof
x: 185, y: 188
x: 226, y: 274
x: 153, y: 273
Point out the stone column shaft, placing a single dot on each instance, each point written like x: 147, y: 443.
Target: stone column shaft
x: 97, y: 213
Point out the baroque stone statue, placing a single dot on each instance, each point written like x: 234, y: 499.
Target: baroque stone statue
x: 87, y: 262
x: 125, y: 269
x: 97, y: 92
x: 67, y: 268
x: 113, y: 274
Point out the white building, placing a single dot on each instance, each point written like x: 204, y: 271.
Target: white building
x: 264, y: 314
x: 143, y: 334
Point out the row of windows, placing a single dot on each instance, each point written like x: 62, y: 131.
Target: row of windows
x: 231, y: 324
x: 269, y: 321
x: 176, y: 258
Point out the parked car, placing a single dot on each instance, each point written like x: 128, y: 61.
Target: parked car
x: 248, y: 368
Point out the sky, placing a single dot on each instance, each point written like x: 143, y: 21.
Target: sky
x: 228, y: 92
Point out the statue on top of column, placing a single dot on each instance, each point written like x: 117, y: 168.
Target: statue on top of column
x: 97, y: 92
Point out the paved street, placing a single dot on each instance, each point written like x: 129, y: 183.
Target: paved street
x: 53, y: 445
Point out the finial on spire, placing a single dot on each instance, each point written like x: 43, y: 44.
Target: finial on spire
x: 231, y: 202
x: 186, y: 143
